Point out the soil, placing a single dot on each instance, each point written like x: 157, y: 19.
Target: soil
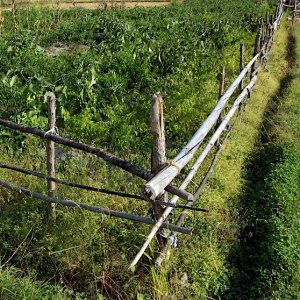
x: 96, y: 5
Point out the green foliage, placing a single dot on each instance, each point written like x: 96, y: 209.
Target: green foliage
x: 115, y: 60
x: 14, y: 286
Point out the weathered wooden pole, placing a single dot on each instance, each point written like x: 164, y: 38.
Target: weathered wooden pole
x: 1, y: 20
x: 268, y: 33
x: 294, y: 12
x: 221, y: 94
x: 51, y: 153
x: 256, y: 48
x: 14, y: 13
x: 262, y: 38
x: 158, y: 156
x: 242, y: 64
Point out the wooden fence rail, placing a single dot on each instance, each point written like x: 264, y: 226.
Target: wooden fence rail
x: 110, y: 158
x: 96, y: 209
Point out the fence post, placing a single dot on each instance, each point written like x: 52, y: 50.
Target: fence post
x: 242, y: 64
x: 51, y: 153
x: 256, y: 48
x: 158, y: 156
x: 294, y: 12
x: 221, y: 93
x: 14, y: 13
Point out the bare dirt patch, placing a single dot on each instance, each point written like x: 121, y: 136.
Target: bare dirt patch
x: 95, y: 5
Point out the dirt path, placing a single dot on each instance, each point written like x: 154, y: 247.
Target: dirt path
x: 96, y: 5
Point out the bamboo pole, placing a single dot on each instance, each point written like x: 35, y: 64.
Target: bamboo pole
x: 194, y: 169
x: 158, y: 157
x: 110, y: 158
x: 158, y: 183
x: 51, y: 152
x: 95, y: 209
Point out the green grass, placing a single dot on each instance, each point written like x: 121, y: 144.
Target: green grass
x: 15, y: 286
x: 267, y: 254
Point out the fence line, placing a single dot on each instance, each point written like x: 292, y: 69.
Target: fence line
x: 194, y: 170
x: 164, y: 177
x: 159, y: 180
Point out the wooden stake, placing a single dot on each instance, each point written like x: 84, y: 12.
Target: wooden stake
x: 158, y: 156
x: 242, y: 64
x: 256, y: 49
x: 262, y: 33
x: 294, y: 12
x: 14, y: 13
x: 51, y: 153
x: 221, y: 94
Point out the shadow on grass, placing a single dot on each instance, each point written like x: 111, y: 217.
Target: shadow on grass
x: 251, y: 258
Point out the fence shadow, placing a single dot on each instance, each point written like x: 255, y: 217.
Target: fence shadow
x: 251, y: 255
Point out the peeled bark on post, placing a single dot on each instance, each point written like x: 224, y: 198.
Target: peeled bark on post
x: 158, y: 156
x: 51, y: 153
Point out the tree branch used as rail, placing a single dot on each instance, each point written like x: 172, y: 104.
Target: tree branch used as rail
x: 94, y: 189
x: 110, y: 158
x: 95, y: 209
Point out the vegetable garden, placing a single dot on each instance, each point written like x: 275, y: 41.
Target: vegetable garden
x: 103, y: 70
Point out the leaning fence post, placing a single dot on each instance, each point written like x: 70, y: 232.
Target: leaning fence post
x: 51, y: 152
x: 158, y: 156
x: 221, y: 93
x: 242, y: 64
x: 256, y: 49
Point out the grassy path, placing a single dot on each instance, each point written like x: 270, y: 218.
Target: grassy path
x: 266, y: 259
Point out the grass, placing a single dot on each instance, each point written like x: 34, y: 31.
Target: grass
x: 266, y: 254
x: 205, y: 257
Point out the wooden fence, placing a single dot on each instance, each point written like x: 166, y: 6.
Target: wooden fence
x: 163, y: 171
x: 294, y: 7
